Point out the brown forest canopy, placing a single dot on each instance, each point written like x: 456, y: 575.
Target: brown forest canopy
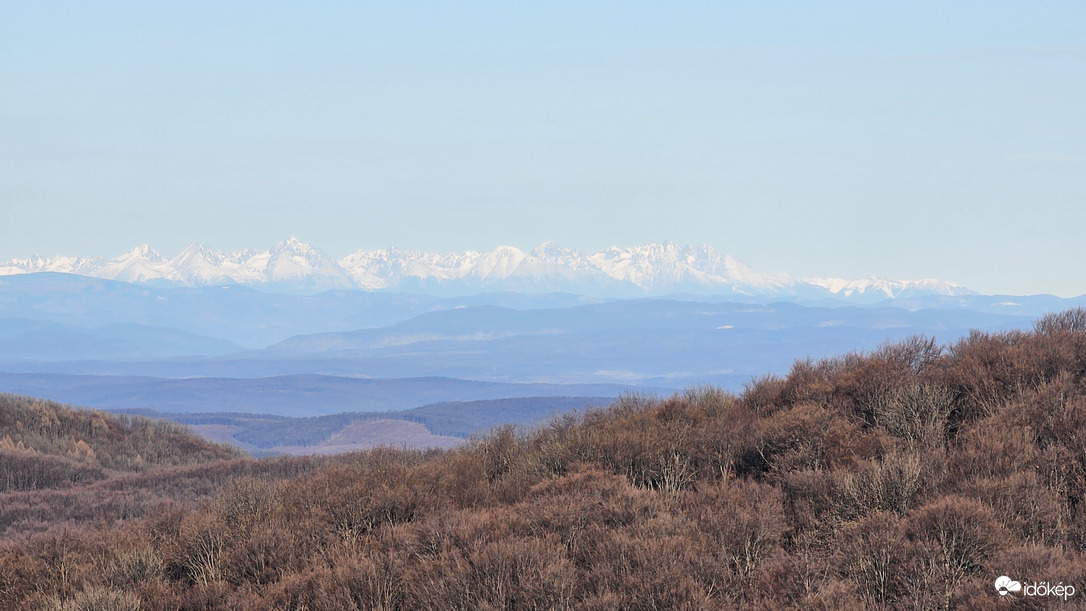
x: 910, y: 477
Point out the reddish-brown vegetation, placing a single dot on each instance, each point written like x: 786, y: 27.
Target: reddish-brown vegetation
x: 909, y: 478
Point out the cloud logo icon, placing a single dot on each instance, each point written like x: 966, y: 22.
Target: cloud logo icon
x: 1005, y: 584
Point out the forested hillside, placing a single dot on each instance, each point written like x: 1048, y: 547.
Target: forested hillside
x: 907, y: 478
x: 45, y: 444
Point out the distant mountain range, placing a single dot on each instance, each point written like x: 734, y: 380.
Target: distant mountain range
x: 214, y: 348
x: 646, y: 270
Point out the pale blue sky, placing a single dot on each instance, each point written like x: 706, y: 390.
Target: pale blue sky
x: 901, y: 139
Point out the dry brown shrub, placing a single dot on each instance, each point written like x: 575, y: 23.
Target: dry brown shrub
x: 743, y: 522
x: 456, y: 480
x: 503, y: 449
x: 644, y: 567
x: 1024, y: 505
x: 861, y: 381
x: 261, y: 556
x: 1035, y: 564
x: 764, y: 395
x: 811, y: 381
x: 510, y: 462
x: 778, y: 582
x: 566, y: 505
x: 65, y: 561
x: 651, y: 445
x: 347, y: 581
x: 494, y: 558
x: 916, y: 354
x: 810, y: 503
x: 356, y: 500
x: 993, y: 448
x: 835, y: 595
x: 983, y: 371
x: 206, y: 597
x: 712, y: 401
x: 806, y: 436
x: 873, y: 554
x: 892, y: 483
x: 1067, y: 321
x: 554, y: 446
x: 627, y: 403
x: 99, y: 599
x: 915, y: 412
x: 953, y: 540
x: 198, y: 553
x: 246, y: 503
x: 26, y: 470
x: 508, y: 573
x: 987, y: 371
x: 131, y: 568
x: 21, y: 576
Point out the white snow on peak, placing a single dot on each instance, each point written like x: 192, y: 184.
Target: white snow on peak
x: 141, y: 264
x: 669, y: 266
x: 294, y: 261
x: 296, y: 247
x: 886, y: 287
x: 501, y: 262
x: 63, y: 265
x: 647, y: 269
x: 143, y: 252
x: 197, y: 265
x: 742, y: 274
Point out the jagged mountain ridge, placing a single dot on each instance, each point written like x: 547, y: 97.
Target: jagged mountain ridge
x: 648, y: 269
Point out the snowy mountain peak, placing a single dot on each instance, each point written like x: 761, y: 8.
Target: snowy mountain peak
x: 884, y: 287
x: 144, y: 252
x: 141, y: 264
x: 655, y: 268
x: 500, y: 263
x: 293, y: 262
x: 199, y: 265
x: 198, y: 252
x: 551, y: 250
x: 294, y: 246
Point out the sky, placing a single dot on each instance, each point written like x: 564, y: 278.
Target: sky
x: 852, y: 139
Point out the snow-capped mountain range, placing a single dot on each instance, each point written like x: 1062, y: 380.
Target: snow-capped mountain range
x: 648, y: 269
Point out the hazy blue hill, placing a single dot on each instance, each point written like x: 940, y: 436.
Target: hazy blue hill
x: 640, y: 318
x: 28, y: 339
x: 118, y: 345
x: 657, y: 342
x: 464, y: 418
x: 44, y: 340
x: 647, y: 341
x: 263, y: 433
x: 1032, y: 306
x: 238, y: 314
x: 294, y: 395
x: 256, y: 319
